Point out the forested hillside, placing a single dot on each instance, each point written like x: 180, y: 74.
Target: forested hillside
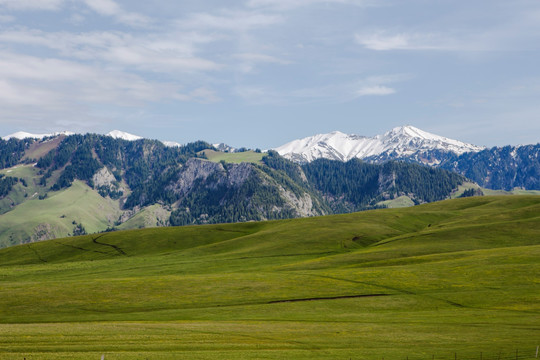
x: 130, y: 177
x: 356, y: 185
x: 503, y: 168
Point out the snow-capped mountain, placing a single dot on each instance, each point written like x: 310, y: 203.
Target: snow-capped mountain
x: 399, y: 143
x: 117, y: 134
x: 25, y: 135
x: 171, y: 144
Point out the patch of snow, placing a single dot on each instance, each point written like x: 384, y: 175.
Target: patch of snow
x: 171, y: 144
x: 514, y: 153
x: 117, y: 134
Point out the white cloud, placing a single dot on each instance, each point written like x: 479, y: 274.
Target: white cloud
x: 292, y: 4
x: 104, y: 7
x: 32, y: 4
x: 334, y: 93
x: 407, y: 41
x: 253, y: 57
x: 201, y: 95
x: 251, y: 92
x: 6, y: 18
x: 111, y: 8
x: 36, y: 88
x: 519, y: 32
x: 250, y: 60
x: 230, y: 20
x: 375, y: 90
x: 158, y: 53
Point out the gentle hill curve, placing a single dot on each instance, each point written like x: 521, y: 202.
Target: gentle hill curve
x: 457, y: 276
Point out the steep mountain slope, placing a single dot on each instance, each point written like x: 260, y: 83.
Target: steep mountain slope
x: 135, y: 175
x: 211, y: 192
x: 405, y: 142
x: 503, y: 168
x: 355, y: 185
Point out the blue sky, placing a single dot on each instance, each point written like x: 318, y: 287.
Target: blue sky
x: 259, y: 73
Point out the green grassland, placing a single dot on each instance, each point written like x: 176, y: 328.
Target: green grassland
x: 31, y: 210
x: 236, y: 158
x: 399, y: 202
x: 458, y: 276
x: 489, y: 192
x: 56, y: 213
x: 511, y: 192
x: 150, y: 216
x: 20, y: 193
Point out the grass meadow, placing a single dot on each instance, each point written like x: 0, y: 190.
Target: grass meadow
x: 235, y: 158
x: 457, y: 279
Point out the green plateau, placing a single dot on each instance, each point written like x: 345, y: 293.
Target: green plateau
x: 456, y: 279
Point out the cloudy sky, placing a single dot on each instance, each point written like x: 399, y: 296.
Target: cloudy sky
x: 259, y: 73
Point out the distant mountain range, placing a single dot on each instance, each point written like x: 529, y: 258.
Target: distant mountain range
x: 116, y: 134
x: 71, y: 184
x: 400, y: 143
x: 503, y: 168
x: 61, y: 184
x: 26, y: 135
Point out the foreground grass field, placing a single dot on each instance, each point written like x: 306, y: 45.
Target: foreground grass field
x: 454, y: 279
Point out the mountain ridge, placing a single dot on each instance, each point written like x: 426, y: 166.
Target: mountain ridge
x: 129, y: 177
x: 399, y: 143
x: 115, y: 134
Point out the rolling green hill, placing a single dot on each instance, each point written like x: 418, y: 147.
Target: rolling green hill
x: 57, y: 215
x: 445, y: 280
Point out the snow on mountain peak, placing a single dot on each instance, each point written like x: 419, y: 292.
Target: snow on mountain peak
x: 26, y: 135
x: 171, y: 144
x: 117, y: 134
x: 400, y: 142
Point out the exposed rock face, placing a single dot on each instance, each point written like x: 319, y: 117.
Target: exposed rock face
x: 198, y: 170
x: 303, y: 205
x: 214, y: 192
x: 103, y: 178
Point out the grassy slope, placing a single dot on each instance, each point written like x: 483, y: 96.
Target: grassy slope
x: 20, y: 193
x: 236, y: 158
x: 455, y: 276
x: 151, y: 216
x: 77, y: 203
x: 399, y: 202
